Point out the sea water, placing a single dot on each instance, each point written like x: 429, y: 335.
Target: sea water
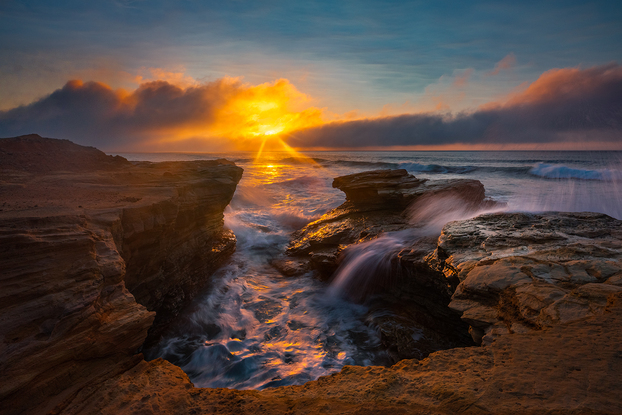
x: 255, y: 328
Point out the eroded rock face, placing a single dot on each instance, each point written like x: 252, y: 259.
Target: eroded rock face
x: 522, y: 272
x: 383, y: 187
x: 78, y: 246
x: 407, y: 299
x: 376, y: 203
x: 570, y: 368
x: 66, y: 314
x: 171, y: 246
x: 33, y: 153
x: 70, y: 328
x: 564, y: 366
x: 397, y: 189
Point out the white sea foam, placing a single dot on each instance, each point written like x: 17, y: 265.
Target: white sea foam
x: 256, y: 328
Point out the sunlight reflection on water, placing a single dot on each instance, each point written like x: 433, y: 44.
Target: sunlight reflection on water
x: 256, y: 328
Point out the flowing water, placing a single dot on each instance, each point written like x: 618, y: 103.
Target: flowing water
x: 256, y: 328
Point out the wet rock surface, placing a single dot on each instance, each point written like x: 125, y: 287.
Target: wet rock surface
x: 566, y: 366
x: 543, y: 291
x: 92, y: 252
x: 411, y: 309
x: 522, y: 272
x: 569, y: 368
x: 407, y: 298
x: 376, y: 203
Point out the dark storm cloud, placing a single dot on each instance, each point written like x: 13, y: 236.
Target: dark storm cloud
x: 93, y: 113
x: 563, y: 104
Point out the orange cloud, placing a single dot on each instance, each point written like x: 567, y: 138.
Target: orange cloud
x: 562, y: 106
x: 462, y: 79
x: 507, y: 62
x: 568, y: 108
x: 568, y: 83
x: 226, y: 113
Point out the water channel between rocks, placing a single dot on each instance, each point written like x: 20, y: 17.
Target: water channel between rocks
x: 255, y: 328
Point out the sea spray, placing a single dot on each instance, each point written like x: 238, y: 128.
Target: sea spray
x: 573, y: 190
x: 366, y: 265
x: 371, y: 265
x: 256, y: 328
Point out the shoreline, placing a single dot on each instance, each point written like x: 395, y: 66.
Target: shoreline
x: 461, y: 380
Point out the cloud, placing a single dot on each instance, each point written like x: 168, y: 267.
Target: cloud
x: 566, y: 105
x: 461, y: 79
x: 507, y: 62
x: 223, y: 114
x: 563, y: 105
x: 178, y: 78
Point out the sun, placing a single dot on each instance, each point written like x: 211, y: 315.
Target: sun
x: 273, y: 131
x: 266, y: 110
x: 262, y: 116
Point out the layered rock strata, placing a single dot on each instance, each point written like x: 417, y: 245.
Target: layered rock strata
x: 78, y: 326
x: 93, y: 248
x: 522, y: 272
x: 567, y: 367
x: 376, y: 203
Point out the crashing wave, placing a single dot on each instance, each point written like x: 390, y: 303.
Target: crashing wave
x: 559, y: 171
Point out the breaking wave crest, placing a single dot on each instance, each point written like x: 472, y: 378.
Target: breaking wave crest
x: 560, y: 171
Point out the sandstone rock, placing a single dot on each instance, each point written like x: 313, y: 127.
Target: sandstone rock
x: 385, y: 187
x: 409, y: 302
x: 530, y: 271
x: 376, y: 203
x: 550, y: 371
x: 78, y: 248
x: 33, y: 153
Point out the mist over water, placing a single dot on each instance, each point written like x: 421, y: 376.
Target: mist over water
x: 368, y: 264
x: 255, y: 328
x: 364, y: 265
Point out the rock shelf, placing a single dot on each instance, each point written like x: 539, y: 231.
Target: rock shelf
x: 98, y: 255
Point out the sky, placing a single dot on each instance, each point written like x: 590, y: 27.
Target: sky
x: 190, y: 75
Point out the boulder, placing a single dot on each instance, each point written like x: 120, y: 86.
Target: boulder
x: 407, y: 299
x: 377, y: 202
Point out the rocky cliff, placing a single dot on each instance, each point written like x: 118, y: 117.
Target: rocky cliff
x: 542, y: 291
x: 93, y: 248
x: 568, y: 364
x: 376, y: 203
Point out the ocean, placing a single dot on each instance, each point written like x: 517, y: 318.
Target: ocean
x: 256, y: 328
